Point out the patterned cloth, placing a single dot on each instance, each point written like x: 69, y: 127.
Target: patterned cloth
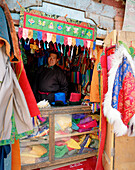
x: 123, y: 96
x: 119, y: 104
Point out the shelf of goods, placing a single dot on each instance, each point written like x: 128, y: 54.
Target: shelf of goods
x: 65, y: 140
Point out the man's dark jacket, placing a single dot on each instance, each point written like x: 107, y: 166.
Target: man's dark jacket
x: 49, y: 81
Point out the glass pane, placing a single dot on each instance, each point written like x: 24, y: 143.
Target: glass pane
x: 76, y: 134
x: 35, y: 147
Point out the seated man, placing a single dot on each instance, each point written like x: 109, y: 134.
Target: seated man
x: 50, y: 80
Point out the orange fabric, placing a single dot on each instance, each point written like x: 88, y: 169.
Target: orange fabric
x: 2, y: 41
x: 16, y: 159
x: 94, y: 91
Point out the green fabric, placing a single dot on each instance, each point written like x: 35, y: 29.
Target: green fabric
x: 14, y: 134
x: 41, y: 26
x: 60, y: 151
x: 47, y: 147
x: 76, y: 120
x: 55, y: 26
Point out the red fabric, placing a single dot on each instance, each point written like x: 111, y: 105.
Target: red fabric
x: 25, y: 86
x: 99, y: 165
x: 126, y: 99
x: 89, y: 164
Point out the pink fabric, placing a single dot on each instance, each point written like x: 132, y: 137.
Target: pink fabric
x: 109, y: 61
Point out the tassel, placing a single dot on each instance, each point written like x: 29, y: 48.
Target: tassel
x: 61, y: 49
x: 44, y: 46
x: 47, y: 45
x: 39, y: 45
x: 72, y: 53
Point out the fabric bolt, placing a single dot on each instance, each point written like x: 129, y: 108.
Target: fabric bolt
x: 14, y: 99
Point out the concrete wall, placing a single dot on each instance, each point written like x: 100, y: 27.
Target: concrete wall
x: 105, y: 16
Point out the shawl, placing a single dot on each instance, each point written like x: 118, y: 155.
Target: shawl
x: 119, y: 103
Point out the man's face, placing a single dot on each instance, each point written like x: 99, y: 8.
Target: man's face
x: 52, y: 59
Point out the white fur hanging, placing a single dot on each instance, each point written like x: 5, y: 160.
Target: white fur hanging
x: 113, y: 115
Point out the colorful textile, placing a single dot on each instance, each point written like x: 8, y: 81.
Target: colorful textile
x: 67, y: 32
x: 42, y: 23
x: 123, y: 98
x: 119, y: 104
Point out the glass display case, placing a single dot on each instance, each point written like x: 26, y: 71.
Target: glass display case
x: 68, y: 134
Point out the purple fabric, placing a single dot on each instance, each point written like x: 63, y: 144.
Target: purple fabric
x: 78, y: 116
x: 84, y: 130
x: 85, y: 120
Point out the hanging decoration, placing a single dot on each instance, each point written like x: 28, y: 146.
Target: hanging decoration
x: 39, y: 25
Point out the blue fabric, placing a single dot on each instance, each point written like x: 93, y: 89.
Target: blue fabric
x: 39, y: 35
x: 7, y: 162
x: 77, y: 42
x: 57, y: 39
x: 4, y: 151
x: 3, y: 26
x: 122, y: 71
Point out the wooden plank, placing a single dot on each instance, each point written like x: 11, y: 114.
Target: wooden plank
x: 59, y: 161
x: 29, y: 142
x: 109, y: 147
x: 66, y: 110
x: 75, y: 134
x: 124, y: 153
x: 51, y: 138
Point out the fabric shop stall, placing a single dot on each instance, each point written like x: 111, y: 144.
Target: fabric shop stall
x: 69, y: 133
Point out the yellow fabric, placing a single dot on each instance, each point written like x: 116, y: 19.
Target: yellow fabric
x: 30, y: 34
x: 94, y: 91
x: 88, y: 142
x: 82, y: 139
x: 16, y: 159
x: 73, y: 144
x: 73, y: 41
x: 53, y: 38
